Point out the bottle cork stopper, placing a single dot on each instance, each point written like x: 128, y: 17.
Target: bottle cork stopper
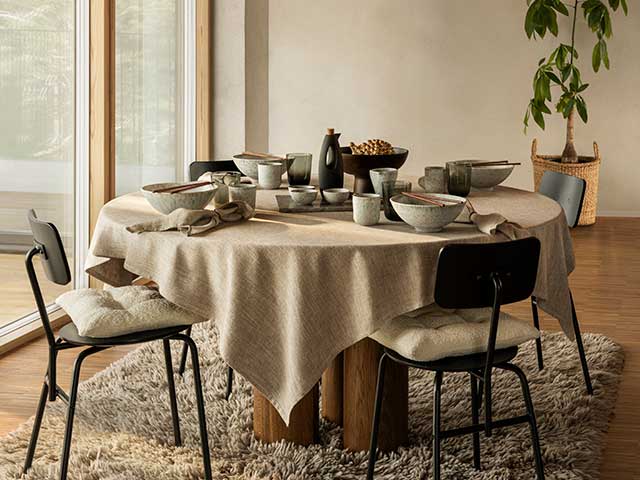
x: 330, y: 131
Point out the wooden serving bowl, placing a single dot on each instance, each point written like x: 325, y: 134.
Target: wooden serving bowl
x: 359, y: 166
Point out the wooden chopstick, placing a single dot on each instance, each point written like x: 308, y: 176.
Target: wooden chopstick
x: 263, y: 155
x: 496, y: 163
x: 436, y: 199
x: 423, y: 199
x: 180, y: 188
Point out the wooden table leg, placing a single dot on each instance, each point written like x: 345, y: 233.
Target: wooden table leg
x: 360, y: 378
x: 303, y: 427
x: 332, y: 379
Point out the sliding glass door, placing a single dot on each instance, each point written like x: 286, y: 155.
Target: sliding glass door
x: 37, y: 139
x: 149, y: 91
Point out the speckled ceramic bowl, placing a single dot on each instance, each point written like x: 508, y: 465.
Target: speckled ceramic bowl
x: 303, y: 196
x: 336, y: 196
x: 425, y: 217
x: 195, y: 199
x: 487, y: 177
x: 248, y: 164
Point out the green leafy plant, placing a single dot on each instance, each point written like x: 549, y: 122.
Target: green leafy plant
x: 559, y: 70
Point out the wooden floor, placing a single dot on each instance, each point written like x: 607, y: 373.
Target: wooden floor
x: 606, y: 286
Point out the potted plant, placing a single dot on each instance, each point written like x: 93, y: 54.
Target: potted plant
x: 559, y: 71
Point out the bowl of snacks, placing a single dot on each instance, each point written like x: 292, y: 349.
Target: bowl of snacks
x: 357, y: 160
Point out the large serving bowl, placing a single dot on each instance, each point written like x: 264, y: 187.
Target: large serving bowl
x: 487, y: 177
x: 248, y: 164
x: 195, y: 199
x: 359, y: 166
x: 425, y: 217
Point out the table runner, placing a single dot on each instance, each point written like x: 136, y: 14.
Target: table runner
x: 288, y: 292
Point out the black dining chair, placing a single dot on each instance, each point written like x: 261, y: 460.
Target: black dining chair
x: 195, y: 170
x: 198, y: 168
x: 569, y: 192
x: 472, y: 276
x: 48, y: 246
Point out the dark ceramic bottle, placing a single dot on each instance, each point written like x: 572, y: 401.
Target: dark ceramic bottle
x: 330, y: 163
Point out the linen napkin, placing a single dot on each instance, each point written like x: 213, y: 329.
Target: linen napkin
x: 193, y: 222
x: 496, y: 224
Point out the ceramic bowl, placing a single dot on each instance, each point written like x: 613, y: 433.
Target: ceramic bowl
x: 425, y: 217
x: 195, y: 199
x: 248, y: 164
x: 302, y: 187
x: 303, y: 196
x: 488, y: 177
x: 336, y: 196
x: 360, y: 165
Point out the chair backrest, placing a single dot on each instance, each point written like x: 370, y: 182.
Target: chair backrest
x: 567, y: 190
x: 198, y: 168
x: 47, y: 239
x: 466, y: 273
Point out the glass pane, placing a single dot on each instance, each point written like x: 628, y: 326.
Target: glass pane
x: 36, y: 138
x: 147, y: 93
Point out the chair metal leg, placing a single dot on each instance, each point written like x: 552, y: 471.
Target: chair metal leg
x: 73, y: 395
x: 204, y: 437
x: 172, y: 393
x: 229, y: 382
x: 437, y: 390
x: 475, y: 406
x: 535, y: 440
x: 375, y: 425
x: 183, y: 354
x: 37, y: 422
x: 536, y: 323
x: 583, y: 357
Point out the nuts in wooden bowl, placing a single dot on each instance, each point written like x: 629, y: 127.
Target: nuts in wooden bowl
x: 372, y: 147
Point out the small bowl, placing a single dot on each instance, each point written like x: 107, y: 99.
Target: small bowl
x: 424, y: 217
x: 303, y: 196
x: 195, y: 199
x: 336, y: 196
x: 485, y: 178
x: 302, y: 187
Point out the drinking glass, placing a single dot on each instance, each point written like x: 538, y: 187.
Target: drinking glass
x: 459, y: 178
x: 299, y: 168
x: 389, y: 189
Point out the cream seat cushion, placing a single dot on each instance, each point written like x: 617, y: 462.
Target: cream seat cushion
x: 431, y: 333
x: 123, y: 310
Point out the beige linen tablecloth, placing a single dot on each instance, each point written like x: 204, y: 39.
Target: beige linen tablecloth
x: 288, y: 292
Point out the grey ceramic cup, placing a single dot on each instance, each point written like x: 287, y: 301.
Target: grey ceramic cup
x: 243, y: 192
x: 434, y: 180
x: 366, y: 208
x: 224, y: 180
x: 379, y: 175
x: 269, y: 175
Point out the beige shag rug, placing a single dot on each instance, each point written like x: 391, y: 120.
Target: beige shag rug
x: 123, y: 426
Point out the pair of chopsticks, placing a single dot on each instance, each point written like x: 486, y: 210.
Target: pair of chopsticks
x: 180, y: 188
x: 266, y: 156
x: 441, y: 202
x: 494, y: 163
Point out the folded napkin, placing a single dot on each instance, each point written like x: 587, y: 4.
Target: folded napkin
x: 193, y: 222
x: 496, y: 224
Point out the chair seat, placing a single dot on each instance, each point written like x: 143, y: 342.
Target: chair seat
x: 463, y: 363
x: 432, y: 333
x: 122, y: 311
x: 70, y: 334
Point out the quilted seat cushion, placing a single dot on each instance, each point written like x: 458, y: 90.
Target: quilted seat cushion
x: 432, y: 333
x: 123, y: 310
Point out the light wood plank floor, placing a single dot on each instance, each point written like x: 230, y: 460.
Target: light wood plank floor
x: 606, y: 286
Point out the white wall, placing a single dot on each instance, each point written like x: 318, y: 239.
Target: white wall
x: 446, y: 79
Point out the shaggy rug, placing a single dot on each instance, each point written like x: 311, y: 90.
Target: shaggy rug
x: 123, y: 425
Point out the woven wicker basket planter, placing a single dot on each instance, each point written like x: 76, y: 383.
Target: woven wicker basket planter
x: 587, y: 168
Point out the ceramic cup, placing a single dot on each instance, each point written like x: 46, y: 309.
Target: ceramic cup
x: 366, y: 208
x: 434, y: 180
x: 224, y: 180
x: 379, y: 175
x: 243, y: 192
x: 270, y: 175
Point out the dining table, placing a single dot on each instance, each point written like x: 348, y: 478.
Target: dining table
x: 295, y: 297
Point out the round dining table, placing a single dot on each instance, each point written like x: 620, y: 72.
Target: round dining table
x: 295, y: 297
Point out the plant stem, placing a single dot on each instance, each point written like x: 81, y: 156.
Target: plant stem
x: 569, y: 154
